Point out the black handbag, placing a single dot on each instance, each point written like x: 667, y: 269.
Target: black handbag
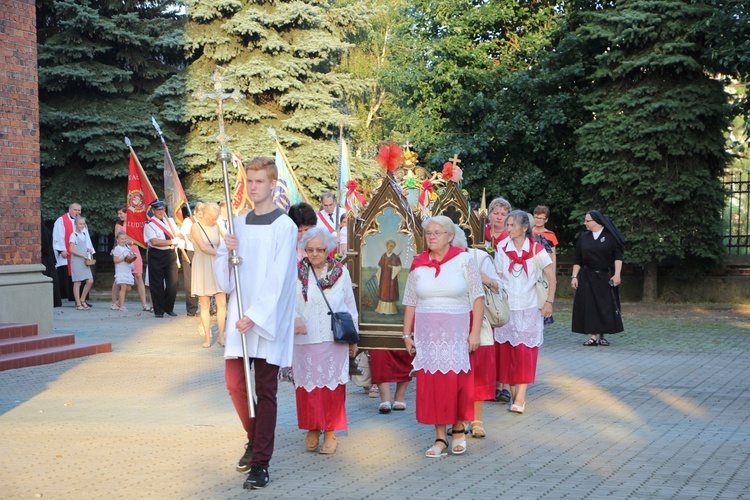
x: 342, y: 324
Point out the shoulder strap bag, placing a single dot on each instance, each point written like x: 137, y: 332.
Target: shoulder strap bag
x: 342, y: 323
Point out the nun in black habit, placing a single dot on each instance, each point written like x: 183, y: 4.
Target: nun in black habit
x: 596, y: 279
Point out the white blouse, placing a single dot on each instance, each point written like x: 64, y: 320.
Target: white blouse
x: 443, y: 303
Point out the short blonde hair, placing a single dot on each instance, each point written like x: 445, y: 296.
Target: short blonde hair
x: 499, y: 202
x: 210, y: 209
x: 263, y: 163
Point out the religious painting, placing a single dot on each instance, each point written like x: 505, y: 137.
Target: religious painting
x: 382, y: 243
x: 386, y: 257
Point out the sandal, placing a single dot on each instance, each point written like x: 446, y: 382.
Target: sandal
x: 590, y: 342
x: 79, y: 307
x: 477, y: 430
x: 147, y: 308
x: 385, y: 407
x: 399, y: 406
x: 517, y: 408
x: 114, y: 307
x: 604, y: 342
x: 312, y: 440
x: 459, y: 443
x: 329, y: 446
x: 436, y: 450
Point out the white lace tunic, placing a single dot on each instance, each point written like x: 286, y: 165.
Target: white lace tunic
x: 526, y: 325
x: 318, y: 360
x: 443, y: 303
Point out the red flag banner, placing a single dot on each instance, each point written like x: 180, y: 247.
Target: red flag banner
x: 140, y: 196
x: 239, y: 194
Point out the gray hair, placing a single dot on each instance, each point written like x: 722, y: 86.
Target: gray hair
x: 499, y: 202
x: 442, y: 221
x: 524, y: 219
x: 318, y: 232
x: 460, y: 239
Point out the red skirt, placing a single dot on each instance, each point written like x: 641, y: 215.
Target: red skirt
x: 321, y: 409
x: 444, y: 398
x: 390, y: 366
x: 516, y: 365
x: 483, y: 367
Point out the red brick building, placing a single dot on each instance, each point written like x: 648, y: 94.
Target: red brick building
x: 25, y: 294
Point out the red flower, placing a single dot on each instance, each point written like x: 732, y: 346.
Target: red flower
x: 447, y: 170
x: 390, y: 156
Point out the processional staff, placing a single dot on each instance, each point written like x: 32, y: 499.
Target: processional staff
x: 225, y: 157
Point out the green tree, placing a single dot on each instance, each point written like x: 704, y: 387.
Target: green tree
x: 99, y: 64
x: 457, y: 73
x: 654, y: 150
x: 283, y: 57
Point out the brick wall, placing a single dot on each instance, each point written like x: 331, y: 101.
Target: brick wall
x: 20, y: 218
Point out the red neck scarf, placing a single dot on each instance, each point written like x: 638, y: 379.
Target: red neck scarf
x: 423, y: 259
x: 519, y: 259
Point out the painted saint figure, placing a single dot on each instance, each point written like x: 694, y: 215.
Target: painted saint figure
x: 387, y: 276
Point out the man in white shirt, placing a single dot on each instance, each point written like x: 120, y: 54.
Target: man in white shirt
x: 63, y: 228
x: 162, y: 260
x: 327, y: 215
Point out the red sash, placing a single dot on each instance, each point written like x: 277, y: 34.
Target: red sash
x: 160, y: 225
x: 325, y: 221
x: 68, y: 225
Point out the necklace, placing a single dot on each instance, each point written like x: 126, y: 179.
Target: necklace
x: 513, y: 271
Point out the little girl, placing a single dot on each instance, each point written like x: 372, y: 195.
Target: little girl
x: 123, y: 269
x: 80, y: 251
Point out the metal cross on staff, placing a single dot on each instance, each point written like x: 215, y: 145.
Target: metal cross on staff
x: 219, y: 96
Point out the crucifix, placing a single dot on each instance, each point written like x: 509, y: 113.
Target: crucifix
x: 235, y: 261
x: 455, y: 160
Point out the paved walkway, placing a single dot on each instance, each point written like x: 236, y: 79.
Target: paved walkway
x: 662, y: 413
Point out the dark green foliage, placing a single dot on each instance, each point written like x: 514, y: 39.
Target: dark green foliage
x: 655, y: 147
x: 282, y: 57
x: 99, y: 64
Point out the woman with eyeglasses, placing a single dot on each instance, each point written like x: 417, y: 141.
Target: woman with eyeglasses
x: 321, y: 366
x: 596, y: 279
x: 520, y: 260
x: 443, y: 291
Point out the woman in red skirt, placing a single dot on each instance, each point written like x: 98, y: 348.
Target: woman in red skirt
x: 443, y: 288
x: 321, y: 366
x: 520, y: 260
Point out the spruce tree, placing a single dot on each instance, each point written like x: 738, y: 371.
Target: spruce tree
x: 654, y: 150
x: 283, y: 57
x: 99, y: 64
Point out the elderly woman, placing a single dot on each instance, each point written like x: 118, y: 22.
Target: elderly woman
x: 596, y: 279
x: 520, y: 260
x: 321, y: 366
x: 443, y: 288
x: 495, y: 231
x: 206, y: 237
x: 483, y: 359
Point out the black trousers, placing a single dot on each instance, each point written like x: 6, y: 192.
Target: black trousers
x: 191, y: 303
x: 163, y: 279
x: 65, y: 284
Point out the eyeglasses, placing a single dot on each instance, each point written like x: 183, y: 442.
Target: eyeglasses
x: 434, y: 234
x: 315, y: 250
x: 540, y: 218
x: 588, y: 220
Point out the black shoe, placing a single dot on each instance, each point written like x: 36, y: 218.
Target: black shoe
x: 158, y: 315
x: 244, y: 464
x: 171, y: 313
x: 191, y: 314
x: 257, y: 478
x: 504, y: 396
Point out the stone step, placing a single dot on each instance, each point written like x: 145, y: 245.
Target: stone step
x: 16, y: 330
x: 48, y: 355
x: 22, y: 344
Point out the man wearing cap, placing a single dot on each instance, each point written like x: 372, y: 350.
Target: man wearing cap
x: 162, y: 260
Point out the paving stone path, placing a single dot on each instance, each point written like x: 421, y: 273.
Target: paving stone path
x: 662, y: 413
